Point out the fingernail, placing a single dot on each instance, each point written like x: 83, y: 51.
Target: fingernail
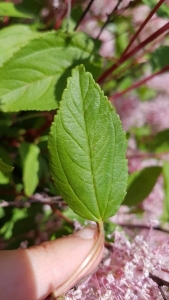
x: 87, y: 232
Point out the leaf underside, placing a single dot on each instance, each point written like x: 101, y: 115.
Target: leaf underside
x: 87, y: 148
x: 35, y: 77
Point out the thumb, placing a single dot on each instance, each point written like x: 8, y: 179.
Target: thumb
x: 35, y: 272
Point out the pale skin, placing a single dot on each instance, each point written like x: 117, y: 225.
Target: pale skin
x: 33, y: 273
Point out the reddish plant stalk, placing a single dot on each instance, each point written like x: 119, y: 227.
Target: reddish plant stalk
x: 134, y: 62
x: 138, y: 84
x: 58, y: 213
x: 142, y: 26
x: 126, y: 68
x: 59, y: 20
x: 131, y: 53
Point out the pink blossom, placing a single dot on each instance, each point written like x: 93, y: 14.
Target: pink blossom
x: 130, y: 111
x: 124, y: 271
x: 160, y: 83
x: 90, y: 26
x: 157, y: 112
x: 134, y: 113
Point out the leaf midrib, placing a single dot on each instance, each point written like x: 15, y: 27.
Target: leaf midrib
x: 89, y: 150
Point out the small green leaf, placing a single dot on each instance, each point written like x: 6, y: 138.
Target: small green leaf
x: 4, y: 178
x: 160, y: 142
x: 11, y: 10
x: 35, y: 77
x: 145, y: 93
x: 4, y: 167
x: 140, y: 185
x: 165, y: 216
x: 87, y: 147
x: 6, y: 156
x: 12, y: 38
x: 159, y: 58
x: 29, y: 154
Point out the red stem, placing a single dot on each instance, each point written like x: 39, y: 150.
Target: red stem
x: 138, y: 84
x: 151, y: 38
x: 128, y: 55
x: 132, y: 64
x: 125, y: 68
x: 59, y: 21
x: 142, y: 26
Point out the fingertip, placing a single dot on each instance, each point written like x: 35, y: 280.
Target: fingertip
x: 90, y: 232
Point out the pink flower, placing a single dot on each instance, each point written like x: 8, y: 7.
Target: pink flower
x: 157, y: 112
x: 130, y: 111
x: 124, y: 271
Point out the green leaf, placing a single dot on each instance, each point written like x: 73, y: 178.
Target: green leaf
x: 140, y: 185
x: 4, y: 178
x: 160, y: 142
x: 32, y: 7
x: 87, y: 148
x: 159, y: 58
x: 35, y: 77
x: 29, y: 154
x: 145, y: 93
x: 13, y: 38
x: 5, y: 155
x: 4, y: 167
x: 11, y: 10
x: 165, y: 216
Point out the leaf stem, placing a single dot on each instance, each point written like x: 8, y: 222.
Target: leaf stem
x: 89, y: 261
